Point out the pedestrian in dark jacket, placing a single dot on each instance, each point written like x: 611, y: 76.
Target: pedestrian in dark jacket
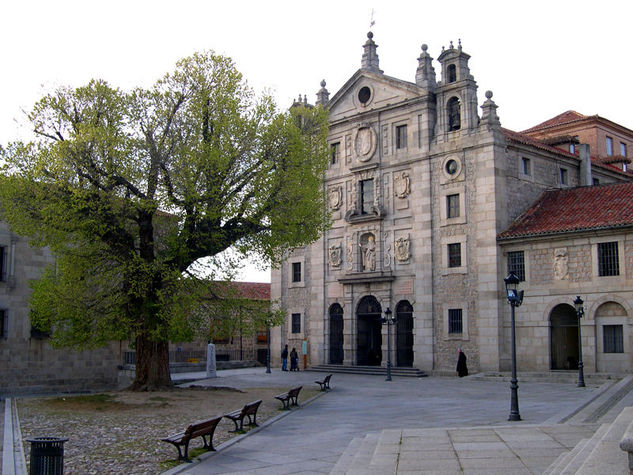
x: 294, y: 360
x: 284, y: 359
x: 462, y: 369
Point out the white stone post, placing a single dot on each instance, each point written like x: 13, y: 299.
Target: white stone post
x: 211, y: 368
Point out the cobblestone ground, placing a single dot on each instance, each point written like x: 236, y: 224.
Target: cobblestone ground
x: 120, y: 432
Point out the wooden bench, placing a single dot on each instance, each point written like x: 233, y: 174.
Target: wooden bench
x: 249, y: 410
x: 291, y: 398
x: 202, y: 429
x: 325, y: 384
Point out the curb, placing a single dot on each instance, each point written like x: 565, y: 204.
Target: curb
x: 13, y: 461
x: 207, y: 455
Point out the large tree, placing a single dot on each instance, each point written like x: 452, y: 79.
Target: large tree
x: 129, y: 189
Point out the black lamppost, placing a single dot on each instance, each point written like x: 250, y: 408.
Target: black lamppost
x: 267, y: 347
x: 389, y: 320
x: 515, y: 297
x: 580, y: 311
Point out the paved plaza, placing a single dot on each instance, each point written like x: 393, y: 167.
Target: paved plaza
x: 433, y: 425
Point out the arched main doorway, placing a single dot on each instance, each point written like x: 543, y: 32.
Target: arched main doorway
x: 336, y: 334
x: 404, y: 334
x: 564, y: 337
x: 369, y: 337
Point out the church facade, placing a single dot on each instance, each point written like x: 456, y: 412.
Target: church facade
x: 422, y: 184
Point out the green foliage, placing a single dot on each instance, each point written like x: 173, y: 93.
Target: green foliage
x: 128, y: 189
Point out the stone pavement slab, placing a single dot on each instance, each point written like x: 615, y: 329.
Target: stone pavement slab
x: 312, y: 438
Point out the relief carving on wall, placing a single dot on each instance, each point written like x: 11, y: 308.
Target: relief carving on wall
x: 561, y: 268
x: 403, y: 249
x: 402, y: 185
x: 350, y: 256
x: 364, y: 142
x: 335, y: 255
x: 387, y: 256
x: 335, y: 197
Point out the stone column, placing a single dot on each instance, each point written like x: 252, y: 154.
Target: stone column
x: 211, y: 367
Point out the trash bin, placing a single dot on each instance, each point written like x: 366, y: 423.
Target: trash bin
x: 47, y: 456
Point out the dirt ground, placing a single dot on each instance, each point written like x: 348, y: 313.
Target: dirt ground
x: 119, y: 432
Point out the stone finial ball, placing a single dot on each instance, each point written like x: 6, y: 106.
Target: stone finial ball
x: 425, y: 47
x: 370, y: 35
x: 323, y: 83
x: 488, y: 94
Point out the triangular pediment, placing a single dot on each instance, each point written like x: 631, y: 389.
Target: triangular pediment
x: 378, y: 90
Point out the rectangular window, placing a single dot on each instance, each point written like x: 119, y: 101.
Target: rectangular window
x: 609, y: 144
x: 335, y: 149
x: 608, y: 259
x: 296, y: 271
x: 296, y: 323
x: 3, y: 264
x: 526, y: 166
x: 563, y: 176
x: 623, y: 149
x: 452, y: 206
x: 516, y: 264
x: 455, y: 255
x: 612, y: 339
x: 455, y: 320
x: 367, y: 196
x: 3, y: 323
x: 401, y: 136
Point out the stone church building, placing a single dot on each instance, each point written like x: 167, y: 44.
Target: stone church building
x: 432, y: 204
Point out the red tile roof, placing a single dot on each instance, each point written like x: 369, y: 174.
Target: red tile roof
x: 250, y: 290
x: 564, y: 118
x: 524, y: 139
x: 575, y: 209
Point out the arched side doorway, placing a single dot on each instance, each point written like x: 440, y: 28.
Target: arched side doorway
x: 369, y: 337
x: 336, y: 334
x: 612, y: 339
x: 564, y: 337
x: 404, y: 334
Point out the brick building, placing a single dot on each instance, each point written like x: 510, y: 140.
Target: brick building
x: 421, y: 188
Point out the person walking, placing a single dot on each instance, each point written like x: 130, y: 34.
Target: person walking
x: 284, y: 359
x: 294, y: 360
x: 462, y: 369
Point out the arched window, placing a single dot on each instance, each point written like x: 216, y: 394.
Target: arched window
x: 454, y: 114
x: 451, y: 71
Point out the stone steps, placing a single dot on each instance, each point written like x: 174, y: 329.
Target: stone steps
x: 599, y: 406
x: 369, y: 370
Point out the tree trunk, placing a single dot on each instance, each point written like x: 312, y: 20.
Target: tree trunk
x: 152, y: 365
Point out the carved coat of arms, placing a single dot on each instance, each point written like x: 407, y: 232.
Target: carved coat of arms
x: 335, y: 255
x: 402, y: 185
x: 335, y: 197
x: 402, y: 249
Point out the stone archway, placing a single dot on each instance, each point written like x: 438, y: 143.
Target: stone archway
x: 563, y: 337
x: 368, y: 332
x: 612, y: 338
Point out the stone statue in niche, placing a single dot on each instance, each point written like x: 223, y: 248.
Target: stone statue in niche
x: 402, y: 185
x: 335, y: 198
x: 561, y: 268
x: 335, y: 255
x: 402, y: 249
x: 368, y: 252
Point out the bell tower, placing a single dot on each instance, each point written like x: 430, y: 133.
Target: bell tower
x: 456, y: 94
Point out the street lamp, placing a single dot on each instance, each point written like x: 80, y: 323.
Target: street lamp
x: 389, y: 320
x: 267, y: 347
x: 515, y: 298
x: 580, y: 311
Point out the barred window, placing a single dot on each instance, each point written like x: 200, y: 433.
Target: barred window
x: 401, y: 136
x: 296, y: 323
x: 452, y: 206
x: 454, y: 320
x: 366, y: 195
x: 612, y: 339
x: 335, y: 150
x: 296, y: 271
x: 608, y: 262
x: 455, y: 255
x: 516, y: 264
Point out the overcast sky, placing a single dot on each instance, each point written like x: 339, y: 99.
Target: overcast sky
x: 539, y: 58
